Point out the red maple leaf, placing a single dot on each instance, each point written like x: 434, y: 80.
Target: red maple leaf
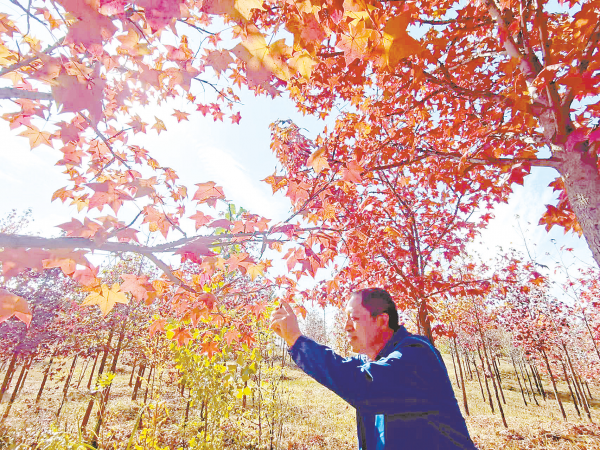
x: 138, y: 286
x: 209, y: 193
x: 201, y: 219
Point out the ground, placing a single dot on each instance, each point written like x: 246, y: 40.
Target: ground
x: 309, y: 416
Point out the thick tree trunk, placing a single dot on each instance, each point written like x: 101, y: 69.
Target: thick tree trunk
x: 579, y: 171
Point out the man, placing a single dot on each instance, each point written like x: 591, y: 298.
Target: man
x: 398, y: 383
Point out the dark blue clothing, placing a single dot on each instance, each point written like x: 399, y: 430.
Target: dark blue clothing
x: 403, y: 400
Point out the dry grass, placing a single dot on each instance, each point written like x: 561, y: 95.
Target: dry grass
x: 315, y: 418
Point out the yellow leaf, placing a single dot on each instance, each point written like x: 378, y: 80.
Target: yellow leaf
x: 317, y: 161
x: 303, y: 63
x: 159, y: 125
x: 106, y: 298
x: 255, y: 270
x: 244, y: 7
x: 36, y: 137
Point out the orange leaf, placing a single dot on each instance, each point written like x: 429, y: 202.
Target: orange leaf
x: 317, y: 161
x: 210, y: 348
x: 13, y: 305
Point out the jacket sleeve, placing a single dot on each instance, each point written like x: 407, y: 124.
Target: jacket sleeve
x: 410, y: 380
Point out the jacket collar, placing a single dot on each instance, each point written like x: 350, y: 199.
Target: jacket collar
x: 400, y: 334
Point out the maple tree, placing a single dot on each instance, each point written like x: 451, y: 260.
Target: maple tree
x: 485, y: 90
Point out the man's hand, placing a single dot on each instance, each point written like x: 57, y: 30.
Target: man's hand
x: 285, y: 323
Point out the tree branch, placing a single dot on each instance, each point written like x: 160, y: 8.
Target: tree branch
x: 10, y: 93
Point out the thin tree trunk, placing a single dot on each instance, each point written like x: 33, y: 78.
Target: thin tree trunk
x: 530, y: 384
x: 591, y: 335
x: 478, y: 378
x: 138, y: 381
x: 538, y: 380
x: 588, y: 389
x: 89, y: 383
x: 570, y: 390
x: 462, y: 381
x: 20, y: 380
x: 113, y: 369
x: 132, y: 372
x: 8, y: 375
x: 468, y: 365
x: 497, y: 372
x: 454, y: 365
x: 518, y: 379
x: 586, y: 405
x: 562, y: 409
x: 485, y: 353
x: 66, y: 386
x: 46, y: 373
x: 81, y: 375
x: 19, y: 387
x: 485, y: 378
x: 578, y: 387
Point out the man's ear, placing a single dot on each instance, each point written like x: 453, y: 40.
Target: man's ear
x: 383, y: 320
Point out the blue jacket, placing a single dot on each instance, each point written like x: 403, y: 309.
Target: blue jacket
x: 403, y: 400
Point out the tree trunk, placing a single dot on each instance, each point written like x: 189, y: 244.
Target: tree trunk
x: 562, y: 409
x: 19, y: 387
x: 20, y: 380
x: 89, y: 383
x: 579, y: 171
x: 497, y: 372
x: 66, y: 386
x: 485, y: 378
x: 462, y: 381
x: 478, y: 378
x: 530, y: 383
x: 8, y: 376
x: 81, y: 375
x: 578, y: 387
x: 138, y: 380
x: 485, y: 353
x: 113, y: 369
x: 570, y: 390
x: 132, y: 372
x: 46, y: 373
x: 452, y: 351
x: 587, y: 324
x: 518, y: 379
x: 538, y: 380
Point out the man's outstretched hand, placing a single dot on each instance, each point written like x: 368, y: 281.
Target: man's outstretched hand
x: 285, y: 323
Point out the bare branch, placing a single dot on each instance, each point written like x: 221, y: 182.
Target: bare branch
x: 10, y: 93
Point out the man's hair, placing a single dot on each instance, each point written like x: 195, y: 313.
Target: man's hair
x: 378, y: 301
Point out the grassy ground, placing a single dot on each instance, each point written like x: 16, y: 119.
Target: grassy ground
x: 312, y: 416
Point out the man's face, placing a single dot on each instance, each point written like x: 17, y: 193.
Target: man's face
x: 362, y: 330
